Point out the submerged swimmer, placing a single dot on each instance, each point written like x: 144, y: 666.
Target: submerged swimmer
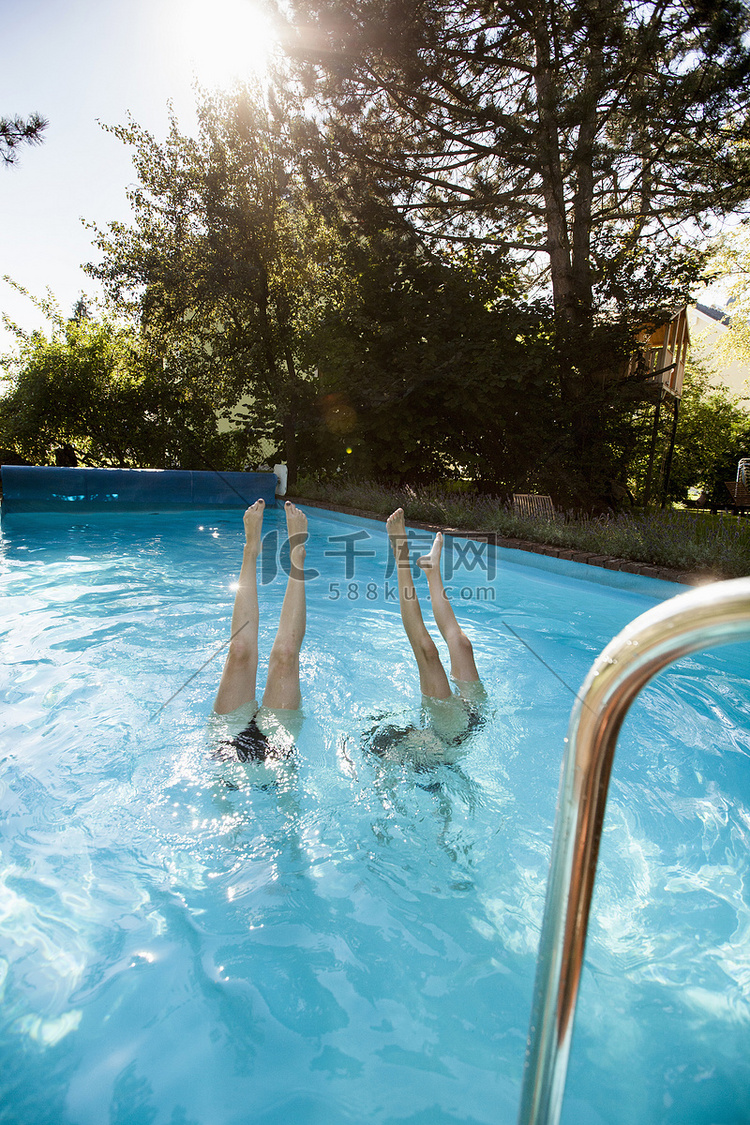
x: 270, y: 730
x: 273, y: 727
x: 453, y: 714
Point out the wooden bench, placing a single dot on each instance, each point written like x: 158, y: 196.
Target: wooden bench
x: 533, y: 506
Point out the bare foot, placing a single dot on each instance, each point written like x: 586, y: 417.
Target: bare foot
x: 432, y: 560
x: 253, y: 521
x: 296, y: 526
x: 396, y: 528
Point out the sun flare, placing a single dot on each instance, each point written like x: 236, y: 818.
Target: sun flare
x: 225, y: 40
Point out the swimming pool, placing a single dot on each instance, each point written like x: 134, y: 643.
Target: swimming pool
x: 338, y: 940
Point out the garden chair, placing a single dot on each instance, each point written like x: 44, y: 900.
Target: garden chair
x: 739, y: 493
x: 533, y: 506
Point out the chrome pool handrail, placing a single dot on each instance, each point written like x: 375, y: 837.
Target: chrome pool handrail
x: 710, y: 615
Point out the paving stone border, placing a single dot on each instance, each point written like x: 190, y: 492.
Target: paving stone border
x: 589, y: 558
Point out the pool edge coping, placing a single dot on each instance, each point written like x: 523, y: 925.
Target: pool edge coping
x: 567, y: 554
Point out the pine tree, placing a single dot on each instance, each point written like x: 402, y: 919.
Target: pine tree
x: 590, y: 136
x: 15, y: 131
x: 592, y: 139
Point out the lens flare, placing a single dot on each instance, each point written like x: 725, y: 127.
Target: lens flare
x: 225, y: 40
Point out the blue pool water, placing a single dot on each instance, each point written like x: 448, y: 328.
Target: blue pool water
x: 341, y: 940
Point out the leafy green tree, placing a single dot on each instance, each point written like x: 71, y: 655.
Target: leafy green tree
x: 93, y: 385
x: 732, y: 262
x: 436, y: 367
x: 227, y: 264
x: 711, y: 436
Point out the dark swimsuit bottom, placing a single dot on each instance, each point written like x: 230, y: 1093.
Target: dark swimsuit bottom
x: 476, y: 720
x: 382, y: 738
x: 250, y: 745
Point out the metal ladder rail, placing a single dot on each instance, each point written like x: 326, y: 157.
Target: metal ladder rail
x: 710, y: 615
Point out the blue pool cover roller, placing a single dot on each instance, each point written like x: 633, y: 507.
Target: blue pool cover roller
x: 50, y: 489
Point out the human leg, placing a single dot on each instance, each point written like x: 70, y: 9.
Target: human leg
x: 460, y: 648
x: 241, y: 665
x: 282, y: 686
x: 432, y: 677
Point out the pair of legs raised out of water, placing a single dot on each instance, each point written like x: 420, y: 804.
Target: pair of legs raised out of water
x: 282, y: 692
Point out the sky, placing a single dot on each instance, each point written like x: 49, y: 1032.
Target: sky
x: 81, y: 64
